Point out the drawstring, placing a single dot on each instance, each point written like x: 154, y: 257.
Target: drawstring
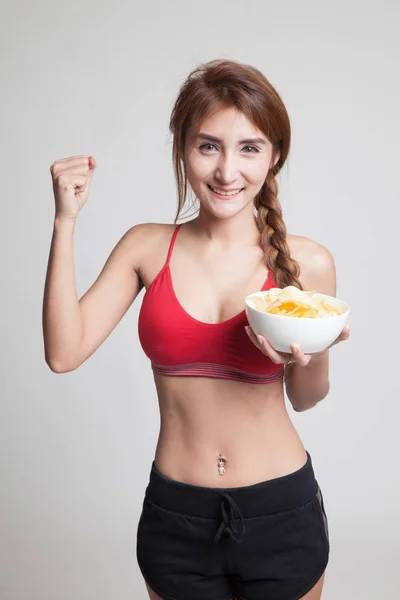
x: 228, y: 520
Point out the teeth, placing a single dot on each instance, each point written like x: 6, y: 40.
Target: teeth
x: 232, y: 193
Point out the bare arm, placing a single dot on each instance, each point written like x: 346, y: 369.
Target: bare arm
x: 307, y: 377
x: 307, y: 385
x: 73, y: 329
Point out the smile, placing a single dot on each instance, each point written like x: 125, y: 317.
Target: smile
x: 219, y: 192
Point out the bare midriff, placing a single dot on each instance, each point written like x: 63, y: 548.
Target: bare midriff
x: 205, y: 421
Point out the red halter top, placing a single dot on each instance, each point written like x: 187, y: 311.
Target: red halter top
x: 180, y: 345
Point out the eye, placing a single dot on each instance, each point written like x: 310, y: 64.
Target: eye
x: 256, y: 150
x: 253, y: 149
x: 203, y: 146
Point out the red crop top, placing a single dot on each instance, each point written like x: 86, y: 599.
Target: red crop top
x: 178, y: 344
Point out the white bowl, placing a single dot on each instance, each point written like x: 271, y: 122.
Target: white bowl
x: 310, y: 334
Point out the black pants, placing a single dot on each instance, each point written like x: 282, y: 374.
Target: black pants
x: 267, y: 541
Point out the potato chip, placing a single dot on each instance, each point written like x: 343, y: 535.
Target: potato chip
x: 258, y: 303
x: 290, y: 301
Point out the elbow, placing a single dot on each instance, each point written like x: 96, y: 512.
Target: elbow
x: 62, y: 362
x: 303, y: 407
x: 59, y: 367
x: 306, y: 403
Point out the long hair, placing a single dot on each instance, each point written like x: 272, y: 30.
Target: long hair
x: 227, y: 83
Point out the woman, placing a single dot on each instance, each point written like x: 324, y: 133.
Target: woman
x: 233, y: 508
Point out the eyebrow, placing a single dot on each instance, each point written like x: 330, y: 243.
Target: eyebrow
x: 255, y: 140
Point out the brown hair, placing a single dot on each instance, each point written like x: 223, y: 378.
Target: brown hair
x: 224, y: 82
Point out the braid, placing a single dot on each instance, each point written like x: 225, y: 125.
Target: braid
x: 273, y: 235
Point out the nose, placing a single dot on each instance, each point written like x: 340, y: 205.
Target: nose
x: 227, y: 169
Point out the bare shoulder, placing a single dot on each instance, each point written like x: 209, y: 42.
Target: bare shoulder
x: 317, y: 266
x: 145, y: 239
x: 147, y: 246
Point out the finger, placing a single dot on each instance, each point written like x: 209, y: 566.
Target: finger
x: 299, y: 357
x: 276, y: 357
x: 346, y: 332
x: 72, y: 170
x: 71, y: 158
x: 344, y: 335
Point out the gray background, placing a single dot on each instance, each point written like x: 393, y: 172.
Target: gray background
x: 100, y: 78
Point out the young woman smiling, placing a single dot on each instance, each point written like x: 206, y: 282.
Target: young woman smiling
x: 233, y: 508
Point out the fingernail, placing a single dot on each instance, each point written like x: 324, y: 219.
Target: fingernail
x: 295, y: 348
x: 260, y: 339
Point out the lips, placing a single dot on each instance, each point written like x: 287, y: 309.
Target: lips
x: 225, y: 193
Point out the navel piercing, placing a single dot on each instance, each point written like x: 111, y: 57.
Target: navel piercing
x: 221, y: 465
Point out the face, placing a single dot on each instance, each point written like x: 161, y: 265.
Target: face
x: 227, y: 162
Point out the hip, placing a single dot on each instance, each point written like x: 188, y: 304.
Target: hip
x: 244, y: 538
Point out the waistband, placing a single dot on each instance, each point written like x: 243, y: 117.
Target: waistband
x: 260, y: 499
x: 218, y: 371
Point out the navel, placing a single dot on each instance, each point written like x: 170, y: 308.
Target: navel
x: 221, y: 464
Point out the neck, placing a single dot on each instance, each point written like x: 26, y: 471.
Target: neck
x: 238, y: 230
